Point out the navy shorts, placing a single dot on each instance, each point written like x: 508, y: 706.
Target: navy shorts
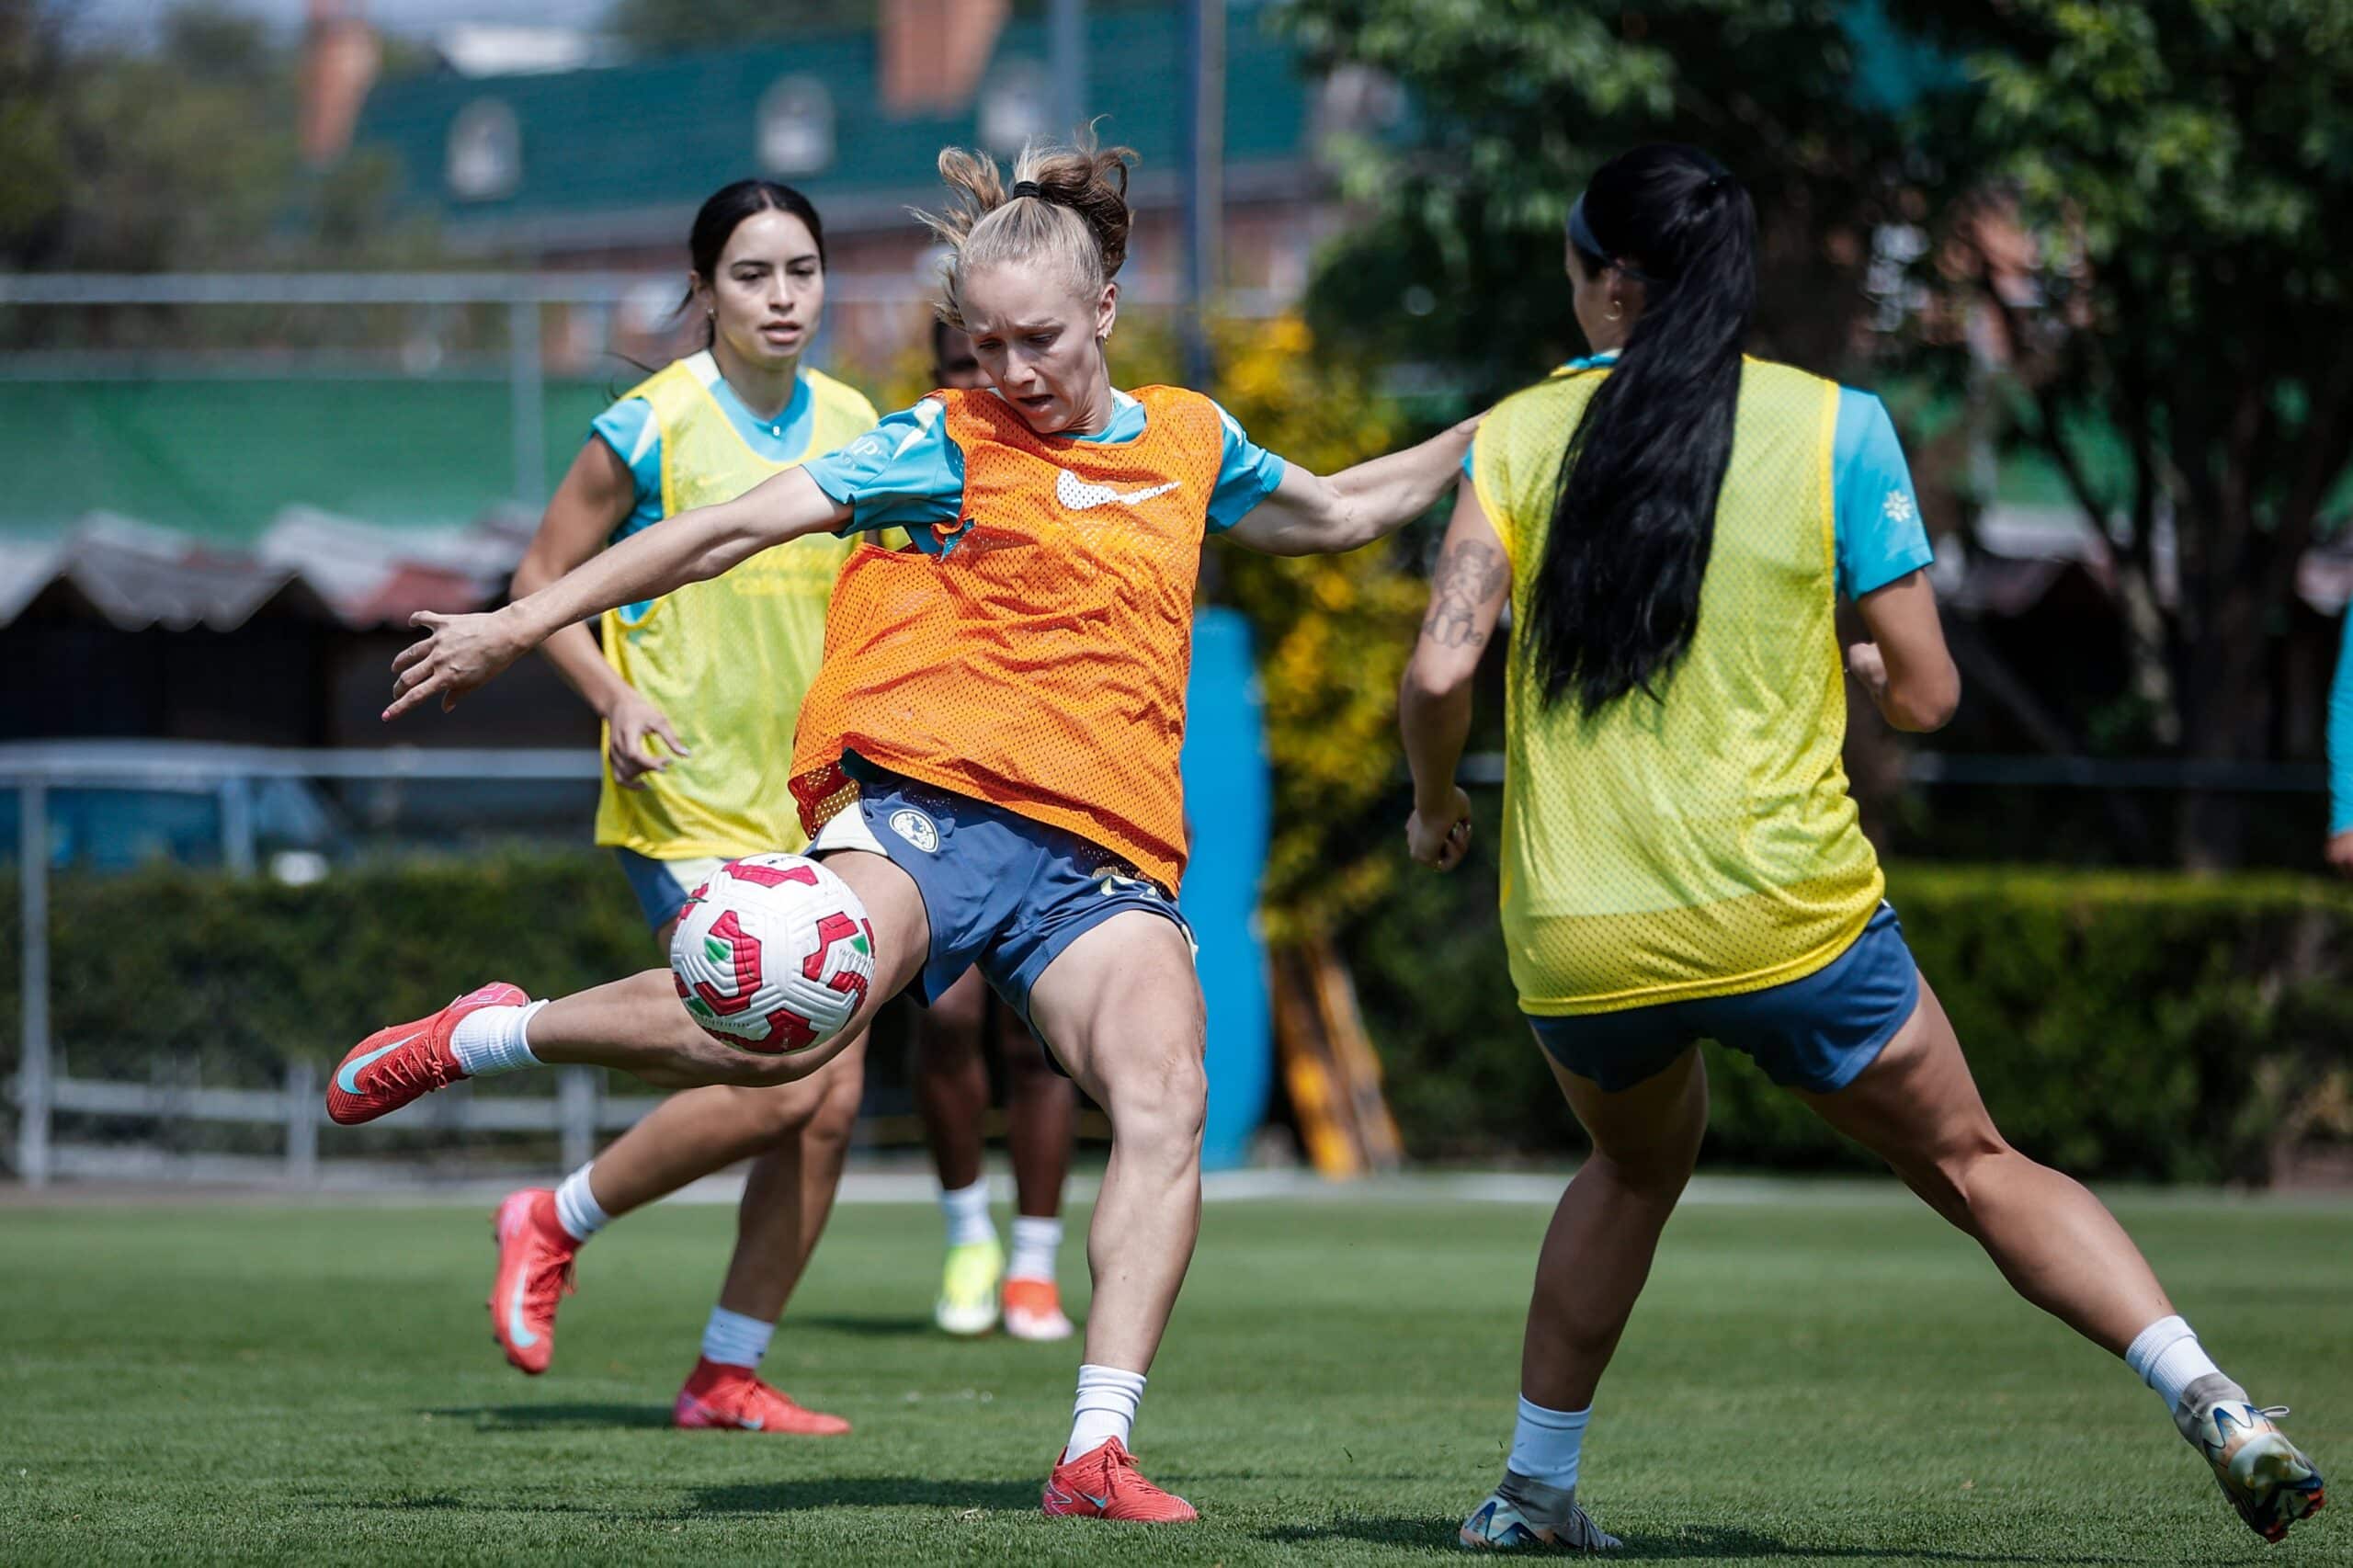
x: 1816, y: 1033
x: 1001, y: 890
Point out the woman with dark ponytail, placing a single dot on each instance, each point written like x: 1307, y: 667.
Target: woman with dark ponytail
x: 697, y: 690
x: 1673, y: 526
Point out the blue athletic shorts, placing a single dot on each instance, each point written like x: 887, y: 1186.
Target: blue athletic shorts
x: 662, y: 886
x: 1001, y: 890
x: 1816, y: 1033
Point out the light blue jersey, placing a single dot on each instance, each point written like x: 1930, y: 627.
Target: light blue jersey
x: 2340, y: 735
x: 635, y: 436
x: 1876, y: 529
x: 908, y: 471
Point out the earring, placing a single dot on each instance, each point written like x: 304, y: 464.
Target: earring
x: 713, y: 313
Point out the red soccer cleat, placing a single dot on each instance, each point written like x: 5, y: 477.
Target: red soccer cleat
x: 535, y: 1254
x: 1104, y: 1483
x: 733, y: 1399
x: 1033, y: 1311
x: 395, y: 1065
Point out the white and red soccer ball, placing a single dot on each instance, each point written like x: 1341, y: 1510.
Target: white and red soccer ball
x: 773, y: 954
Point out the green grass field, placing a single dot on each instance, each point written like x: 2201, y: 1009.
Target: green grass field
x: 1844, y: 1383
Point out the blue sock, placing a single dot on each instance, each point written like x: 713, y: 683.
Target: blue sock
x: 1545, y: 1443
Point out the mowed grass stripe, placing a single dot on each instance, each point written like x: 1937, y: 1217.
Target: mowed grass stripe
x: 1827, y: 1383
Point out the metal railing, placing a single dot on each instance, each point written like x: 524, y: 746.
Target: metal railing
x: 576, y: 1115
x: 579, y: 1109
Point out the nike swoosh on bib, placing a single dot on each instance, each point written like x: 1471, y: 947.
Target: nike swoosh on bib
x: 1077, y: 495
x: 348, y: 1080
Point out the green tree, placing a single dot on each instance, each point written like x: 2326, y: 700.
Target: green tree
x: 2185, y: 172
x: 1515, y: 102
x: 181, y: 155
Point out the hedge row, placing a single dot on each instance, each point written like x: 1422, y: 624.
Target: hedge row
x: 2140, y: 1025
x: 2120, y: 1024
x: 232, y: 977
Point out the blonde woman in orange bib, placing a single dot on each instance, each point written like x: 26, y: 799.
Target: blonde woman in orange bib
x: 989, y: 756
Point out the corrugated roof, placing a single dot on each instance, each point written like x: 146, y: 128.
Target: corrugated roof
x: 308, y: 564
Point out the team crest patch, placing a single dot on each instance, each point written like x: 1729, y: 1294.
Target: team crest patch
x: 1107, y: 882
x: 915, y: 828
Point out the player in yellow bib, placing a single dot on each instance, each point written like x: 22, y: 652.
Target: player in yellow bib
x: 1673, y: 527
x: 699, y: 691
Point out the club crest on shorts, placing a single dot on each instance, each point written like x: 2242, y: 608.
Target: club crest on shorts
x: 915, y: 828
x: 1108, y: 881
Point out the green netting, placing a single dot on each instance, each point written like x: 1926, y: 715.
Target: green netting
x: 219, y: 457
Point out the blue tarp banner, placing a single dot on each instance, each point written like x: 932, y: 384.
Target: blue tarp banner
x: 1228, y: 800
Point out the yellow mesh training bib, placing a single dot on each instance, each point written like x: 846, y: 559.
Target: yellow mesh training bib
x: 1705, y: 844
x: 727, y: 660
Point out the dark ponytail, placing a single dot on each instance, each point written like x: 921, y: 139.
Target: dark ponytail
x: 724, y: 211
x: 1617, y: 598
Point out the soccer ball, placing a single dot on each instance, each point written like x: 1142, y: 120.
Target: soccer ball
x: 773, y: 954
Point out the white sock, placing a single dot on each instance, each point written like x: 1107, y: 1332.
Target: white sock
x: 1545, y: 1444
x: 489, y: 1040
x: 734, y: 1339
x: 1105, y: 1409
x: 2167, y: 1357
x: 1036, y: 1243
x: 576, y: 1208
x: 967, y: 1209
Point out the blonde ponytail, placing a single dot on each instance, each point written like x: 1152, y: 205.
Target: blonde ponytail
x: 1069, y: 203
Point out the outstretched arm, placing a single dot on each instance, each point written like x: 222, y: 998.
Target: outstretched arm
x: 1467, y: 594
x: 458, y: 653
x: 1311, y: 515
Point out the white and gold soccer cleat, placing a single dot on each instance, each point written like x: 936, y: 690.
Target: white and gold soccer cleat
x: 2267, y: 1479
x: 1523, y: 1514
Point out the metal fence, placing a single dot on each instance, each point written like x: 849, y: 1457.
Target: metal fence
x: 38, y: 772
x: 580, y: 1109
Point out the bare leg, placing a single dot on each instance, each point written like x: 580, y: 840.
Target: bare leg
x: 1917, y: 1108
x: 1124, y: 1012
x: 638, y: 1026
x: 1041, y: 1110
x: 952, y: 1079
x: 1596, y: 1254
x: 789, y: 1194
x: 690, y: 1135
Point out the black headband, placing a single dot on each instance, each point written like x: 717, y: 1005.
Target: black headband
x: 1581, y: 232
x: 1582, y: 236
x: 1022, y: 188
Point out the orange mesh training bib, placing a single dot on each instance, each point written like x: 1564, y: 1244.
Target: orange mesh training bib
x: 1040, y: 664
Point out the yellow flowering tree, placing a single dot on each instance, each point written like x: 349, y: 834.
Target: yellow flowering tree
x: 1334, y: 633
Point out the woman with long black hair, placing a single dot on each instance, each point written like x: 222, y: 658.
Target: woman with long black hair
x: 1673, y: 526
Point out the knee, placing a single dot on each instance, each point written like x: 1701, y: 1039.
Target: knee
x: 1161, y: 1105
x: 1656, y: 1175
x: 948, y: 1031
x: 836, y: 1113
x: 773, y: 1114
x: 1952, y: 1177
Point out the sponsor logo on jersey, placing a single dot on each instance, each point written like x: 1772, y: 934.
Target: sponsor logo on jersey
x: 1077, y: 495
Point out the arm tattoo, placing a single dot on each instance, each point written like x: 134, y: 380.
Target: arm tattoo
x: 1468, y: 575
